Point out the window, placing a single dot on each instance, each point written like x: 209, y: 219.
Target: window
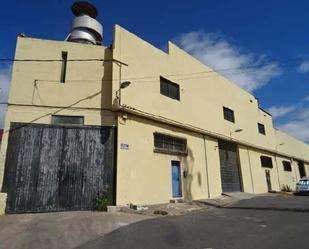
x: 266, y: 162
x: 169, y: 89
x: 261, y: 128
x: 287, y: 166
x: 228, y: 114
x: 169, y: 144
x: 64, y: 66
x: 68, y: 120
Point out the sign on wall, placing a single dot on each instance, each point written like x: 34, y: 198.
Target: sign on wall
x: 124, y: 146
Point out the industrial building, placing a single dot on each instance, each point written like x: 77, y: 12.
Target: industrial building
x: 132, y: 123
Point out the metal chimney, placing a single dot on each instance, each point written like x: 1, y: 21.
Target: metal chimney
x: 85, y: 28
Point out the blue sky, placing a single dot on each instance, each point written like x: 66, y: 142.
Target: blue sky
x: 266, y: 42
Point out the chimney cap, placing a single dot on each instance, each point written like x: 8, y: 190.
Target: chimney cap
x: 84, y: 7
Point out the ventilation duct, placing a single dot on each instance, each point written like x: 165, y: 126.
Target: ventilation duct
x: 85, y: 28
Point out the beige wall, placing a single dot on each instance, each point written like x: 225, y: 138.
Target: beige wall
x: 290, y: 145
x: 144, y: 176
x: 36, y: 92
x: 246, y: 169
x: 289, y: 178
x: 202, y: 93
x: 202, y: 97
x: 258, y: 172
x: 88, y: 83
x: 3, y: 197
x: 213, y: 165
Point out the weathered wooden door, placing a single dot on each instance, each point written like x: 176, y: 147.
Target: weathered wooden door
x: 58, y: 168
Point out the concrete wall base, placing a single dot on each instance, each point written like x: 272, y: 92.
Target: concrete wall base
x: 3, y: 197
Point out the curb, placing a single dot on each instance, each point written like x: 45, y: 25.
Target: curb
x: 227, y: 206
x: 270, y: 209
x: 204, y: 203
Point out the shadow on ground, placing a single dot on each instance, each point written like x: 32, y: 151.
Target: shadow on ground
x: 59, y: 230
x: 215, y: 228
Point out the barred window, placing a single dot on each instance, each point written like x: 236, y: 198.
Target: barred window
x: 169, y: 89
x: 169, y: 144
x: 266, y: 162
x: 228, y: 114
x: 287, y: 166
x: 67, y: 120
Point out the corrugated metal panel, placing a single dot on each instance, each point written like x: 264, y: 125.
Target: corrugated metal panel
x: 229, y: 165
x: 58, y: 168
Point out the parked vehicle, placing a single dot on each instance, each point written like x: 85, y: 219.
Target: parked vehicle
x: 302, y: 187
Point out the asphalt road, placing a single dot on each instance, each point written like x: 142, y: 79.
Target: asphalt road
x: 275, y: 202
x: 214, y: 228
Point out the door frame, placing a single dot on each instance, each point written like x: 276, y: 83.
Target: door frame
x: 180, y: 179
x: 301, y: 167
x: 114, y: 133
x: 269, y: 186
x: 237, y: 161
x: 239, y: 168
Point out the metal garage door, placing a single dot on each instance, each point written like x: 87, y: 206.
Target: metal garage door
x: 58, y: 168
x: 229, y: 165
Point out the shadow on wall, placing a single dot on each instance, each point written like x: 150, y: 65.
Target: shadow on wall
x: 106, y: 86
x: 187, y: 181
x: 187, y: 162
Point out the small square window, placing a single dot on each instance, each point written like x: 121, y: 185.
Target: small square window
x: 261, y: 128
x: 67, y: 120
x: 266, y: 162
x: 228, y: 114
x: 287, y: 166
x: 169, y: 89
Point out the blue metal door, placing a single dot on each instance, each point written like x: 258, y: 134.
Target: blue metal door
x: 176, y: 179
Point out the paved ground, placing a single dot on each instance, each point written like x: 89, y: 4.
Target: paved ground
x: 59, y: 230
x: 275, y: 202
x: 228, y: 199
x: 214, y: 228
x: 235, y: 227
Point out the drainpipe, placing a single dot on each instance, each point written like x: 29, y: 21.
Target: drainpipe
x: 295, y: 171
x: 206, y: 164
x: 276, y: 148
x: 277, y: 172
x: 250, y: 171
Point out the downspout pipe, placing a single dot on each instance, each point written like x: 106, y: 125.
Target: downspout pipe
x: 250, y: 166
x: 206, y: 166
